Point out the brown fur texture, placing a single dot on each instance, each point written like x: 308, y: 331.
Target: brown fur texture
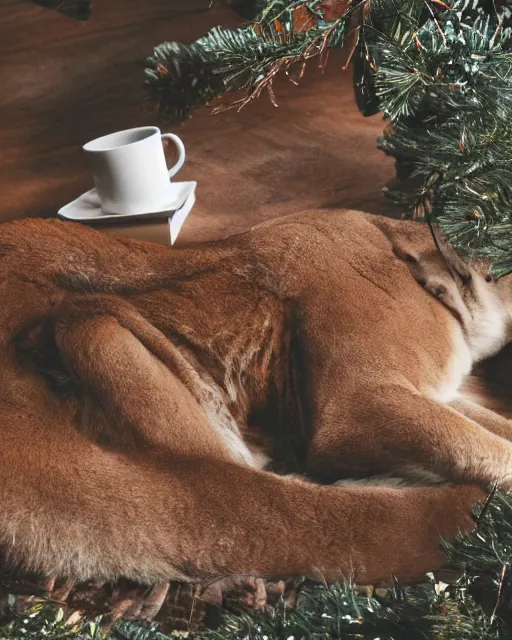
x: 143, y: 389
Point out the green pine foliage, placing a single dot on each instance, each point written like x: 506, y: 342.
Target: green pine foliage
x: 245, y: 60
x: 445, y: 84
x: 440, y: 71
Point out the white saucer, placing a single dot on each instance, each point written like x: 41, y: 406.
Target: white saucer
x: 86, y: 208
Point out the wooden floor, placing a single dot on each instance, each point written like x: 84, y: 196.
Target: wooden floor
x: 64, y: 83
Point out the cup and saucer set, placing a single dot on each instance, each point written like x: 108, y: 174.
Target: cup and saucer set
x: 132, y: 181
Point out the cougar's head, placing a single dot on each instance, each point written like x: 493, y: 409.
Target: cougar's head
x: 503, y: 288
x: 489, y: 311
x: 487, y: 302
x: 482, y: 305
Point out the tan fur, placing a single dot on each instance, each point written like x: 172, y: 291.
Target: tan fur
x: 141, y: 389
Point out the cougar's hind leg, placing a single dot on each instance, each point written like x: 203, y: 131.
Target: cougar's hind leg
x: 103, y: 515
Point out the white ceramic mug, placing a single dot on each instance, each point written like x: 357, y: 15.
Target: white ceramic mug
x: 130, y: 172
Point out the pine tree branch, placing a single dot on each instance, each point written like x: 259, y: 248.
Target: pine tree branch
x: 446, y: 87
x: 285, y: 37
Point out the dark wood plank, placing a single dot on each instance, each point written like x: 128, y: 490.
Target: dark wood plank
x: 86, y: 80
x: 26, y: 25
x: 57, y: 96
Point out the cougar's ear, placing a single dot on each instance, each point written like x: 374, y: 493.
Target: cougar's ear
x: 452, y: 258
x: 406, y: 254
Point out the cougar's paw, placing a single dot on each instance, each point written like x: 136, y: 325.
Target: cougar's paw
x: 505, y: 484
x: 245, y: 593
x: 503, y: 480
x: 191, y: 607
x: 237, y: 594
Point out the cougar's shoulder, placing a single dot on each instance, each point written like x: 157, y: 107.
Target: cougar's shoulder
x: 462, y: 319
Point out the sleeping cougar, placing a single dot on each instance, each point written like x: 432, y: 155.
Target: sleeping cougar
x: 161, y: 409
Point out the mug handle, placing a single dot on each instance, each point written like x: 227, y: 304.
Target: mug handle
x: 181, y: 152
